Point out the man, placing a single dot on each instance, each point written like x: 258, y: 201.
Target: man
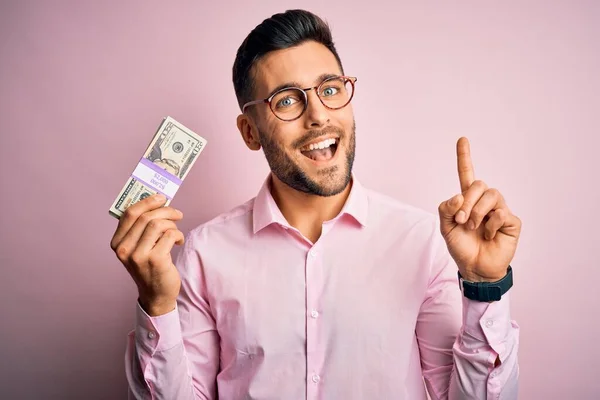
x: 319, y: 288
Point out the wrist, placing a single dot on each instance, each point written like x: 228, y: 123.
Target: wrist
x: 471, y: 277
x: 155, y: 307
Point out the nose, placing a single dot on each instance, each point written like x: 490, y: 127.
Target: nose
x: 316, y: 115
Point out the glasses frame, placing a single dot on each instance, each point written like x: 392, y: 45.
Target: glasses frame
x: 317, y: 89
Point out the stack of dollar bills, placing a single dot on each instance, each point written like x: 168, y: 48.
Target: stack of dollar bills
x: 163, y: 167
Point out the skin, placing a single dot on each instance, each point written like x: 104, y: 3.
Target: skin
x: 147, y: 231
x: 303, y: 64
x: 480, y: 231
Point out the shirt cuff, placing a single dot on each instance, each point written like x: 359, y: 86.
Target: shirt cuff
x: 158, y: 333
x: 488, y: 322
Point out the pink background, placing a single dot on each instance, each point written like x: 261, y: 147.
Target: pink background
x: 83, y: 88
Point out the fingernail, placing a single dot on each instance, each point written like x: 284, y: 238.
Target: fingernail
x: 461, y: 217
x: 471, y: 225
x: 160, y: 197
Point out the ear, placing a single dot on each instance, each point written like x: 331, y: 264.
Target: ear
x: 249, y: 131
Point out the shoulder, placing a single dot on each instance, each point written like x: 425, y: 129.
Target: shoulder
x: 237, y: 221
x: 401, y: 224
x: 385, y: 209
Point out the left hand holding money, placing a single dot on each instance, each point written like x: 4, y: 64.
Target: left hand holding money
x: 479, y: 229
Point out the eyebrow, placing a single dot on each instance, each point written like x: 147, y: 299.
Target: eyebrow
x: 293, y: 84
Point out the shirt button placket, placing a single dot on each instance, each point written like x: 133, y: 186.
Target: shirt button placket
x: 314, y: 284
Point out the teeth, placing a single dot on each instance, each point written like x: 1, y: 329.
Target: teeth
x: 321, y: 145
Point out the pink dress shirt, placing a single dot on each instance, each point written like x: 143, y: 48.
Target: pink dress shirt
x: 372, y: 310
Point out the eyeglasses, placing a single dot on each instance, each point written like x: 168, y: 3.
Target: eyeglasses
x: 290, y: 103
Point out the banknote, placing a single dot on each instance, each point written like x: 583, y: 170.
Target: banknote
x: 163, y: 167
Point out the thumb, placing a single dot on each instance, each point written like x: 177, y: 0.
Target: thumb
x: 448, y: 210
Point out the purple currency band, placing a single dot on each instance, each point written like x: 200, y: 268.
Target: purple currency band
x: 163, y: 178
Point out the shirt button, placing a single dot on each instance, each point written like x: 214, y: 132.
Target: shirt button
x: 314, y: 253
x: 314, y: 314
x: 489, y: 323
x: 316, y: 378
x: 151, y: 335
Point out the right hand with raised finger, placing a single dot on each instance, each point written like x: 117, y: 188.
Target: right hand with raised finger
x: 143, y: 242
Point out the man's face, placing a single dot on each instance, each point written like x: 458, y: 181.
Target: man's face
x: 286, y: 144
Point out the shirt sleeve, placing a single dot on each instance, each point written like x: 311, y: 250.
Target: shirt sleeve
x: 176, y: 355
x: 461, y: 339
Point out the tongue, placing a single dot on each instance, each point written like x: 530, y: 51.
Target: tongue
x: 319, y: 154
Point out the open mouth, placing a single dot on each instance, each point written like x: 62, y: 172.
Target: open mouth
x: 321, y: 151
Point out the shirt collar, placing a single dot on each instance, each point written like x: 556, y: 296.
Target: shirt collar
x: 266, y: 211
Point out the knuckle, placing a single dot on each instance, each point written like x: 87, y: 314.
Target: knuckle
x: 464, y: 167
x: 154, y: 224
x: 476, y: 215
x: 467, y: 205
x: 479, y: 184
x: 164, y: 225
x: 170, y: 234
x: 122, y: 253
x: 130, y: 214
x: 145, y: 218
x: 137, y: 258
x: 154, y: 259
x: 494, y: 192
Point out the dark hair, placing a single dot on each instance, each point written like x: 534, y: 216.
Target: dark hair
x: 281, y: 31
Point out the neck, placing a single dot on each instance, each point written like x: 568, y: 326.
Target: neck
x: 307, y: 212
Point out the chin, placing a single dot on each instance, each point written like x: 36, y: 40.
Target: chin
x: 329, y: 181
x: 325, y: 172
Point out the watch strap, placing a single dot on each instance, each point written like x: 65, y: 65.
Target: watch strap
x: 486, y: 291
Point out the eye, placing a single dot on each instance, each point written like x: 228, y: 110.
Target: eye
x: 330, y: 91
x: 286, y: 102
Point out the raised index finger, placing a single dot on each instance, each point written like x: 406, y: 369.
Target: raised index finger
x: 466, y: 175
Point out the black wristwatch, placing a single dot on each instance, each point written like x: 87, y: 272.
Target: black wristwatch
x: 486, y: 291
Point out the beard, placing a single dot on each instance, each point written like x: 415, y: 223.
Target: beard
x: 290, y: 173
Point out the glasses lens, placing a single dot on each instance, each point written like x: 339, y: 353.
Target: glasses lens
x: 288, y: 104
x: 336, y: 92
